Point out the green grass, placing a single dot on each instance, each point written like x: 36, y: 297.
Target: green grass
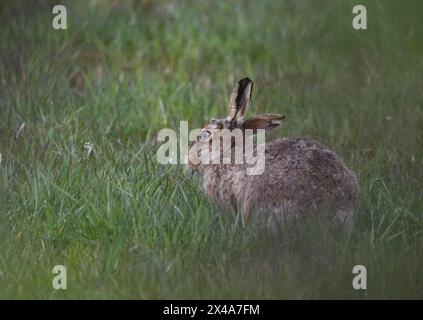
x: 126, y: 226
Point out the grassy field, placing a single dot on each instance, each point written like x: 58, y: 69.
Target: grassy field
x: 126, y: 226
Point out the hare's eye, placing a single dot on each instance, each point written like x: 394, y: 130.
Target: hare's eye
x: 205, y: 134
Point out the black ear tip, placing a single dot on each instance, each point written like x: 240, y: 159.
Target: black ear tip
x: 243, y: 84
x: 245, y: 81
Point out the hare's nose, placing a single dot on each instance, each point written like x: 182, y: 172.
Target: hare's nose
x: 186, y: 159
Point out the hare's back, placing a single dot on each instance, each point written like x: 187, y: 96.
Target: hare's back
x: 302, y: 173
x: 301, y: 153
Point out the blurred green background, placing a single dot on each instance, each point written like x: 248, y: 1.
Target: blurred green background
x: 127, y: 227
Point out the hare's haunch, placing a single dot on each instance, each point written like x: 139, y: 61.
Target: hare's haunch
x: 300, y: 177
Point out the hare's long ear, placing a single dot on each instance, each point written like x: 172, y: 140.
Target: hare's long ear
x: 240, y: 100
x: 264, y: 121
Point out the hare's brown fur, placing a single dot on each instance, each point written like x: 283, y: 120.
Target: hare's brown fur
x: 301, y: 177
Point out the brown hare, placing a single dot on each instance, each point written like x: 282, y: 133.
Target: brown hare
x: 301, y: 176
